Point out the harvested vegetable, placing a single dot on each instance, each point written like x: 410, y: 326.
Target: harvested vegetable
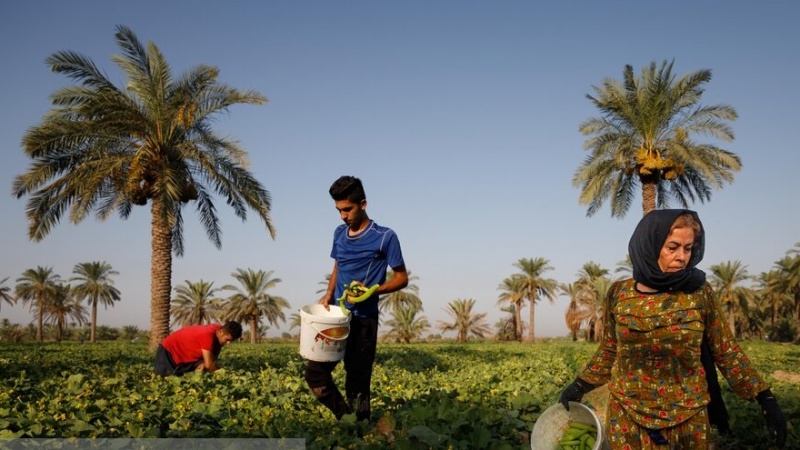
x: 354, y: 293
x: 579, y: 436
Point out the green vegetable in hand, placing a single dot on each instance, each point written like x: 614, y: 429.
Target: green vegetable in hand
x: 354, y: 293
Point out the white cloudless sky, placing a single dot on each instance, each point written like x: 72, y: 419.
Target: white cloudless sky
x: 460, y: 117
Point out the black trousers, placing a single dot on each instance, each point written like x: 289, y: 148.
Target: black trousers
x: 165, y: 365
x: 359, y: 356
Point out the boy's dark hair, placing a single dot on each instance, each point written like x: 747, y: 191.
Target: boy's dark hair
x: 347, y: 188
x: 234, y: 328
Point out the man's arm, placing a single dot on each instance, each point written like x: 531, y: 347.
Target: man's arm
x: 209, y: 361
x: 398, y: 281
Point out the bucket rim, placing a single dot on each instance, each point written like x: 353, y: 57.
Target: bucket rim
x: 339, y: 319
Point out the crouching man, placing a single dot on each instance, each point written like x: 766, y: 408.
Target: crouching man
x: 194, y: 348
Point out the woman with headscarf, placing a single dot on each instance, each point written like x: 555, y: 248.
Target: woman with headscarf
x: 650, y: 352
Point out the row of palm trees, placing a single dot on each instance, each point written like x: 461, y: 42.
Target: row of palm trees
x: 14, y: 332
x: 56, y: 301
x: 759, y: 309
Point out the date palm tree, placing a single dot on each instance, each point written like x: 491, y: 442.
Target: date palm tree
x: 726, y: 279
x: 408, y: 296
x: 644, y: 138
x: 465, y: 322
x: 104, y: 148
x: 63, y: 306
x: 595, y: 302
x: 95, y: 284
x: 195, y: 303
x: 577, y: 311
x: 534, y: 286
x: 38, y: 287
x: 512, y: 293
x: 130, y: 332
x: 5, y: 293
x: 324, y: 283
x: 775, y: 298
x: 295, y: 321
x: 592, y: 285
x: 251, y: 302
x: 405, y: 325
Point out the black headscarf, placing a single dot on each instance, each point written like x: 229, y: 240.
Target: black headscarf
x: 645, y: 246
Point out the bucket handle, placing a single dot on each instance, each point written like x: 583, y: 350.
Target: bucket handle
x: 329, y: 337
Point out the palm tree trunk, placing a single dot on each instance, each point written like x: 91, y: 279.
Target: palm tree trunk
x: 648, y: 196
x: 531, y: 317
x: 94, y: 319
x: 160, y: 276
x: 775, y: 317
x: 40, y: 320
x: 59, y: 329
x: 797, y: 312
x: 253, y: 330
x: 518, y: 322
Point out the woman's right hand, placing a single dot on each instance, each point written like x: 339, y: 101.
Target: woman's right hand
x: 574, y: 392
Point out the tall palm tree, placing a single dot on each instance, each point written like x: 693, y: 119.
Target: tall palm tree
x: 644, y: 138
x: 64, y: 306
x: 95, y: 284
x: 727, y: 279
x: 251, y: 301
x: 535, y: 286
x: 5, y: 293
x: 465, y: 322
x: 38, y: 287
x: 408, y: 296
x: 195, y: 303
x: 405, y: 325
x: 104, y: 148
x: 512, y: 293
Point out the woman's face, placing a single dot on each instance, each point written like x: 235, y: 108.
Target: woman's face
x: 677, y: 250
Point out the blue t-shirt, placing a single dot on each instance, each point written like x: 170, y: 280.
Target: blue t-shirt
x: 365, y: 258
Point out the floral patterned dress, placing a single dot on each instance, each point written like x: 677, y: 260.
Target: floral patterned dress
x: 649, y: 355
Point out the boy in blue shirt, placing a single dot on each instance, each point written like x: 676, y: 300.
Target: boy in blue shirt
x: 362, y: 251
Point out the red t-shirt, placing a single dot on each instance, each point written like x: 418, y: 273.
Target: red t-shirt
x: 187, y: 344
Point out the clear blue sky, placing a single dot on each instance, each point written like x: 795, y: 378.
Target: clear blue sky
x: 461, y: 118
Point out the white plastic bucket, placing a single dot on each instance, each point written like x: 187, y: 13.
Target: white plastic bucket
x: 554, y: 421
x: 323, y: 332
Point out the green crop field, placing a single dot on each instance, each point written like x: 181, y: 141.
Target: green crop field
x: 483, y: 395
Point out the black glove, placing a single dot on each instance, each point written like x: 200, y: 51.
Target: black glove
x: 575, y: 391
x: 776, y: 421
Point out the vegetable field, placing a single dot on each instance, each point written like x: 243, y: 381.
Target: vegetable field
x: 473, y: 396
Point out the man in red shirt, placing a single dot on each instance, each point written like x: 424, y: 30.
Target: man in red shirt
x: 194, y: 348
